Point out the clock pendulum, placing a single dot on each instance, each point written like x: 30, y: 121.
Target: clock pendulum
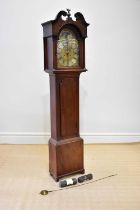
x: 45, y: 192
x: 64, y: 61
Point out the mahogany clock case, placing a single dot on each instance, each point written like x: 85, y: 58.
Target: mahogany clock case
x: 66, y: 155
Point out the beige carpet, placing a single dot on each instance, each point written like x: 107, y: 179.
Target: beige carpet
x: 24, y: 173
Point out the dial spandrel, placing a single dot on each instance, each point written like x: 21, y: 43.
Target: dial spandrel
x: 67, y: 50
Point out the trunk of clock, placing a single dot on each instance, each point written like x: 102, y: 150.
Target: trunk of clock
x: 65, y: 144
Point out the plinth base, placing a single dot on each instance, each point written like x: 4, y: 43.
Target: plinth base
x: 65, y: 157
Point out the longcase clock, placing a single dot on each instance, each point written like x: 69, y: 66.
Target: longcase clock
x: 64, y: 61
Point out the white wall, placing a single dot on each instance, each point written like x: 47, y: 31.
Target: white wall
x: 110, y: 90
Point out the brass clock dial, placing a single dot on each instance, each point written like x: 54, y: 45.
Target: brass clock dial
x: 67, y: 50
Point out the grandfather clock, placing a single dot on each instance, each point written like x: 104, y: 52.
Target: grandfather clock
x: 64, y: 60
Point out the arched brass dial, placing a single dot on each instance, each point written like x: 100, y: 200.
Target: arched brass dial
x: 67, y: 50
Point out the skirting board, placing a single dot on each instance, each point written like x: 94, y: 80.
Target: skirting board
x: 89, y: 138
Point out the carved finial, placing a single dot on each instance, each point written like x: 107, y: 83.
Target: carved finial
x: 68, y: 14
